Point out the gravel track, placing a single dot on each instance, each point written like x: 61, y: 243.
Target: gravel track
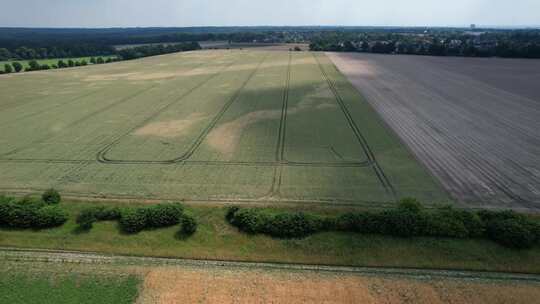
x: 74, y: 257
x: 474, y: 123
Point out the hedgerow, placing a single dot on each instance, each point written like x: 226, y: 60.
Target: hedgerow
x: 133, y: 220
x: 89, y: 216
x: 31, y: 213
x: 409, y: 219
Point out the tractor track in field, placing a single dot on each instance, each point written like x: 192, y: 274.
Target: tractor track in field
x: 280, y: 146
x: 50, y: 108
x: 84, y: 118
x: 88, y: 116
x: 101, y: 156
x: 93, y: 258
x: 385, y: 182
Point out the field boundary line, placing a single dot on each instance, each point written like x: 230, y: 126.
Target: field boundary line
x: 10, y: 254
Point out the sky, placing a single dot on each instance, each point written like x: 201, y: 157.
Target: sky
x: 180, y: 13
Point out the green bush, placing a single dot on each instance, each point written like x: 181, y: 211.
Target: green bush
x: 408, y: 219
x: 89, y: 216
x: 49, y: 217
x: 30, y: 213
x: 441, y: 225
x: 250, y: 220
x: 231, y: 211
x: 292, y: 225
x: 189, y: 225
x: 51, y: 196
x: 163, y: 215
x: 86, y: 219
x: 133, y: 220
x: 513, y: 233
x: 401, y: 222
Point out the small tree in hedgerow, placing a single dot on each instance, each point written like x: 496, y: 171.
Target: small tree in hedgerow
x: 51, y: 197
x: 17, y: 66
x: 7, y: 68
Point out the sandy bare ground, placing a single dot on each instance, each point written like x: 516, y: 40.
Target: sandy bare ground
x: 170, y: 285
x: 475, y: 123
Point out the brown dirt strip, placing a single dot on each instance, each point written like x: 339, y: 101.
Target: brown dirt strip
x: 477, y: 134
x: 192, y: 281
x: 211, y: 285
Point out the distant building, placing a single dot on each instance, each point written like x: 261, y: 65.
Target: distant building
x: 473, y: 26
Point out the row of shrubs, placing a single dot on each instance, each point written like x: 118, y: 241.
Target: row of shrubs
x: 29, y: 213
x: 134, y: 220
x: 407, y: 220
x: 34, y: 65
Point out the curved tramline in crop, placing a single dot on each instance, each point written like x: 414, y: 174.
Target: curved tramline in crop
x: 102, y: 155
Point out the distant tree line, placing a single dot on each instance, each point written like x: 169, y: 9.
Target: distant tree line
x: 508, y: 44
x: 153, y: 50
x: 34, y: 65
x: 123, y: 54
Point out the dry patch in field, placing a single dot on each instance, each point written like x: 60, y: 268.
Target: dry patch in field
x: 213, y: 285
x: 172, y: 128
x: 225, y: 137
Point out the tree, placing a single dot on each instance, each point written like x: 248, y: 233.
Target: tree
x: 83, y: 62
x: 7, y: 68
x: 93, y: 60
x: 5, y: 54
x: 17, y: 66
x: 100, y: 60
x: 71, y: 63
x: 61, y: 64
x: 34, y: 65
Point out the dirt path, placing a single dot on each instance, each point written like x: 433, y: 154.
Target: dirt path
x: 191, y: 281
x: 476, y: 133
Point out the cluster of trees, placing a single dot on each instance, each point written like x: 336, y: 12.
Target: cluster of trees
x: 48, y: 52
x: 134, y: 220
x: 407, y: 220
x: 34, y: 65
x: 29, y: 213
x: 516, y: 44
x: 153, y: 50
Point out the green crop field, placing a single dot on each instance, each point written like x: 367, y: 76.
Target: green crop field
x: 51, y: 283
x: 223, y: 125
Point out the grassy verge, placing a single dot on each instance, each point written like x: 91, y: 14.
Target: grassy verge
x: 60, y: 285
x: 216, y: 239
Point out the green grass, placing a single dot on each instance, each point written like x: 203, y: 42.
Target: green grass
x: 52, y: 61
x: 216, y: 239
x: 26, y: 286
x: 221, y: 112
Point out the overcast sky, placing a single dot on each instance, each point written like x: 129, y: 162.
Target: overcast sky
x: 142, y: 13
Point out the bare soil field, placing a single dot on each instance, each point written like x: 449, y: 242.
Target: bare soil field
x: 214, y: 285
x: 474, y: 123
